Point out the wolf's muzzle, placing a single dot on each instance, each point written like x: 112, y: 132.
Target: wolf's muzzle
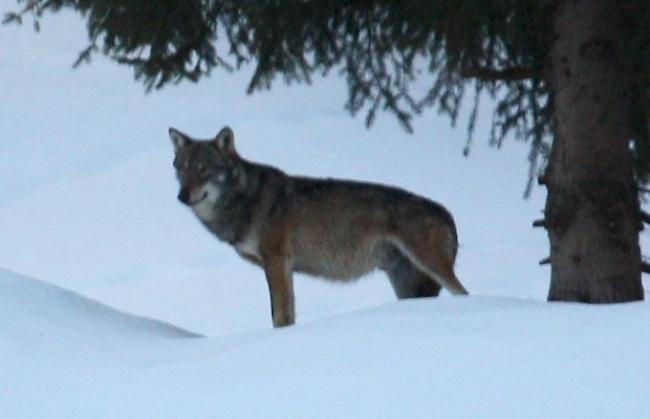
x: 184, y: 196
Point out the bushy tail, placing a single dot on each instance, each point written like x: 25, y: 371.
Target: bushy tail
x: 433, y: 259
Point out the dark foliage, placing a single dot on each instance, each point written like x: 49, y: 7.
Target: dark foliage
x: 398, y: 56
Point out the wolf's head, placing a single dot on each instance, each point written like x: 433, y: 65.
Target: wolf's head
x: 205, y: 169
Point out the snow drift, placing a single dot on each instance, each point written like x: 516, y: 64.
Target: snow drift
x: 66, y: 356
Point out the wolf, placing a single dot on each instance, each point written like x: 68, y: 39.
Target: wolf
x: 336, y: 229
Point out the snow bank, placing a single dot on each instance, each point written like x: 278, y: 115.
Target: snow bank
x: 36, y: 311
x: 69, y: 357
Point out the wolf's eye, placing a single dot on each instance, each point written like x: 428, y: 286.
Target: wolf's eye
x: 202, y: 170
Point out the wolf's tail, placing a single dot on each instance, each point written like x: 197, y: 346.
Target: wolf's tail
x: 432, y: 251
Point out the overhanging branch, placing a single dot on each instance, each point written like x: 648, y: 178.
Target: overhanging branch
x: 506, y: 74
x: 35, y: 7
x: 645, y: 217
x: 645, y: 267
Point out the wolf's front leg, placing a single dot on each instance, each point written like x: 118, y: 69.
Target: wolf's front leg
x: 280, y: 280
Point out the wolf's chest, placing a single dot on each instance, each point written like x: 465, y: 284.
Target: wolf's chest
x: 249, y: 248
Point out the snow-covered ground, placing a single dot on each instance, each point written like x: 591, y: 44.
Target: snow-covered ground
x: 89, y: 205
x: 480, y: 357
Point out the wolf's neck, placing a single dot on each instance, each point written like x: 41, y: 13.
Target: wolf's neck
x: 233, y: 212
x: 231, y: 219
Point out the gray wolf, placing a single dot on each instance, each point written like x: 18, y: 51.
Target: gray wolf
x: 336, y: 229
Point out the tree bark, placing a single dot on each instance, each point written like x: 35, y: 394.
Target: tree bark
x: 592, y: 209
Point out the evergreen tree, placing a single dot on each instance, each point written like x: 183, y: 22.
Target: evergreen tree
x: 571, y: 77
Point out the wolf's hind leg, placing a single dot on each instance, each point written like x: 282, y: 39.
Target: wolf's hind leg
x: 407, y: 280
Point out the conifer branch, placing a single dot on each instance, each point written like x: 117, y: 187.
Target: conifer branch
x: 35, y: 7
x: 645, y: 217
x: 506, y: 74
x: 645, y: 267
x: 539, y: 223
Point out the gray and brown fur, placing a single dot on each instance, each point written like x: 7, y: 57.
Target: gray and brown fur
x: 337, y: 229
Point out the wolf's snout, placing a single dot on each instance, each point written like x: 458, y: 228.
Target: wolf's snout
x: 191, y: 196
x: 184, y: 196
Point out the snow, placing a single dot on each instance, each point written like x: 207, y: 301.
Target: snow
x: 89, y: 207
x: 68, y: 356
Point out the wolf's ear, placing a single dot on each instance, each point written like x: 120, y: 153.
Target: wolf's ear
x: 179, y: 139
x: 225, y: 140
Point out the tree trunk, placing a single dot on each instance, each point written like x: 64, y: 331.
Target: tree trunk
x: 592, y: 210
